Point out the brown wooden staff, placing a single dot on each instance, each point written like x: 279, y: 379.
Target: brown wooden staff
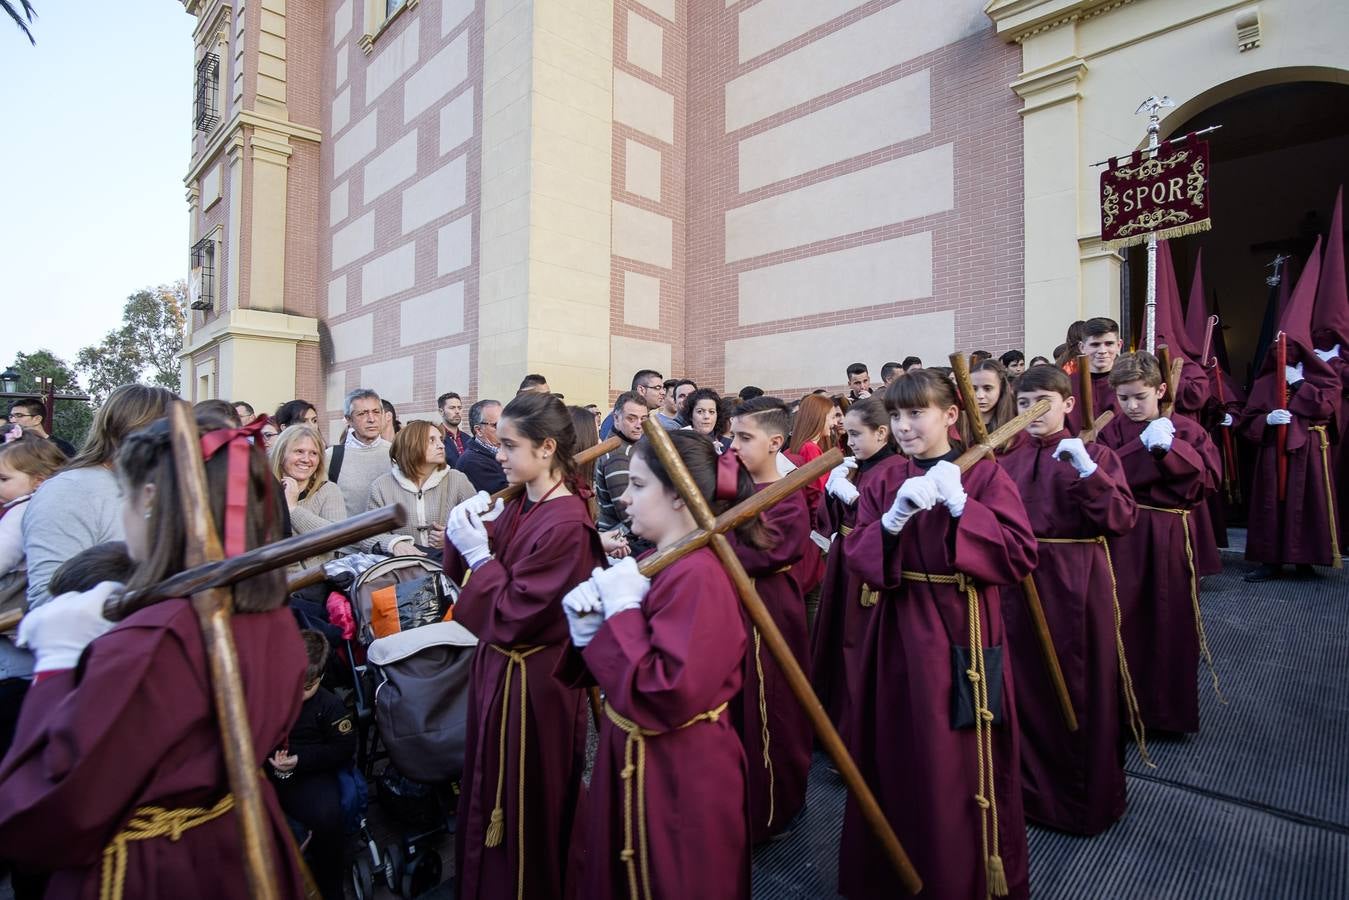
x: 1281, y: 431
x: 708, y: 528
x: 1086, y: 403
x: 1001, y: 436
x: 213, y: 606
x: 960, y: 368
x: 1171, y: 369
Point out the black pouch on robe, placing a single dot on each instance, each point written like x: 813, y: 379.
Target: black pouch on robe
x: 962, y: 689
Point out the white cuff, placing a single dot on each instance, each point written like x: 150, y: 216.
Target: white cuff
x: 477, y: 556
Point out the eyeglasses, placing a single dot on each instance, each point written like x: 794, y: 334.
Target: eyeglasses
x: 490, y: 424
x: 17, y: 415
x: 655, y: 387
x: 367, y: 413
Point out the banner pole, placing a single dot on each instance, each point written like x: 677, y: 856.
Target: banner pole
x: 1152, y: 105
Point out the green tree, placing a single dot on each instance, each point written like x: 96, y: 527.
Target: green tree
x: 145, y: 348
x: 72, y: 417
x: 22, y: 16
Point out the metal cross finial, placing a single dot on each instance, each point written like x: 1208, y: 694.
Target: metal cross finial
x: 1276, y: 276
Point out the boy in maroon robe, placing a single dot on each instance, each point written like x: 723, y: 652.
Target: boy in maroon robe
x: 775, y: 729
x: 1170, y: 465
x: 1301, y: 527
x: 515, y: 829
x: 116, y: 781
x: 1101, y: 344
x: 665, y: 814
x: 845, y: 602
x: 1075, y: 495
x: 938, y: 547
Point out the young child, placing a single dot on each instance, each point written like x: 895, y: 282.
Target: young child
x: 304, y: 769
x: 845, y: 602
x: 1170, y: 464
x: 1301, y: 527
x: 1101, y: 344
x: 668, y: 654
x: 116, y: 782
x: 1076, y: 496
x: 24, y: 464
x: 514, y: 831
x: 776, y: 732
x: 937, y: 546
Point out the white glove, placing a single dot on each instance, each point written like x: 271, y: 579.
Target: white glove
x: 1158, y: 434
x: 1073, y: 450
x: 946, y: 475
x: 913, y: 495
x: 838, y: 483
x: 483, y: 506
x: 1227, y: 420
x: 1328, y: 355
x: 584, y: 610
x: 1293, y: 374
x: 1279, y: 417
x: 58, y: 631
x: 466, y: 531
x: 621, y: 587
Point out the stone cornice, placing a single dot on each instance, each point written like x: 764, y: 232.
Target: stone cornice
x: 1050, y: 85
x: 256, y: 120
x: 1017, y: 20
x: 258, y: 324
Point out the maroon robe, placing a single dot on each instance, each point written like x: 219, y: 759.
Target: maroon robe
x: 1072, y: 781
x: 777, y: 787
x: 923, y: 772
x: 1340, y: 365
x: 675, y: 658
x: 840, y: 623
x: 1157, y: 603
x: 1193, y: 394
x: 1103, y: 395
x: 1297, y: 530
x: 514, y: 601
x: 134, y: 725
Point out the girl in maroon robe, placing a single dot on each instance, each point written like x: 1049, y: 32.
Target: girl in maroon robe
x: 119, y: 736
x: 516, y: 808
x: 1075, y: 495
x: 774, y: 728
x: 845, y: 602
x: 1170, y: 465
x: 666, y: 812
x: 937, y: 546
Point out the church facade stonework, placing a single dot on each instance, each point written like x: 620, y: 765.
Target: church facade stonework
x: 431, y: 195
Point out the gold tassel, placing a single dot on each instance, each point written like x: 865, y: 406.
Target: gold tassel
x: 496, y: 828
x: 997, y: 877
x: 869, y: 595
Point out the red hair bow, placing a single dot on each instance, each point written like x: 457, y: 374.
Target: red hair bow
x: 236, y: 484
x: 728, y: 475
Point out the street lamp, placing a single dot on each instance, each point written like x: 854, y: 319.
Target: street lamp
x: 9, y: 381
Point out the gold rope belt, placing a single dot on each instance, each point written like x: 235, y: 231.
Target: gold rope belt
x: 1130, y: 698
x: 1335, y: 560
x: 496, y: 826
x: 145, y: 824
x: 765, y: 736
x: 635, y: 859
x: 1194, y: 590
x: 986, y: 796
x: 869, y: 594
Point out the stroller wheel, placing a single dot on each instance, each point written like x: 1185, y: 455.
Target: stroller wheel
x: 394, y: 867
x: 423, y: 874
x: 362, y: 879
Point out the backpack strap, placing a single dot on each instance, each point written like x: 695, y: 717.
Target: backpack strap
x: 335, y: 464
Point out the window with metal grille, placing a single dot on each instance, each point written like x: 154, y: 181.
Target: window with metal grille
x: 392, y: 6
x: 201, y: 286
x: 206, y: 108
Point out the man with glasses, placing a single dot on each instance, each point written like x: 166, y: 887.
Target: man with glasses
x: 354, y: 464
x: 649, y: 386
x: 31, y: 416
x: 479, y: 459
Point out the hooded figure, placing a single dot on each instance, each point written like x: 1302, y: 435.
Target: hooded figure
x: 1300, y: 528
x: 1330, y: 334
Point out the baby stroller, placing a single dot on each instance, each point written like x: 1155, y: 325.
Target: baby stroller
x: 411, y: 698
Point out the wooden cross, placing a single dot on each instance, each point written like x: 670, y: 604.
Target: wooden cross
x: 1086, y: 399
x: 712, y: 530
x: 209, y: 577
x: 961, y: 370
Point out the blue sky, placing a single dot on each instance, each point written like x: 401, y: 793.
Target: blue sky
x: 97, y: 129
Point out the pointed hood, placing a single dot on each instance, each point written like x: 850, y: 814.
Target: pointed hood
x: 1331, y: 311
x: 1295, y: 319
x: 1170, y: 320
x: 1196, y: 312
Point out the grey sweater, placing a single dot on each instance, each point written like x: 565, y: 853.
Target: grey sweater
x: 321, y: 507
x: 361, y: 465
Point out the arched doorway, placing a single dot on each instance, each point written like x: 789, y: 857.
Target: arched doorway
x: 1282, y: 153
